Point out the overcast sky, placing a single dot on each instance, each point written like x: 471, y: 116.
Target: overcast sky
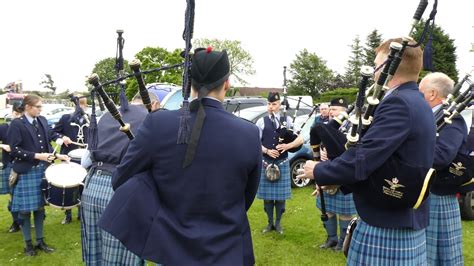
x: 66, y: 38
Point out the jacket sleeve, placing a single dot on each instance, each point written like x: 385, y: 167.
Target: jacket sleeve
x: 137, y: 158
x: 390, y: 128
x: 15, y: 142
x: 254, y: 175
x: 448, y: 143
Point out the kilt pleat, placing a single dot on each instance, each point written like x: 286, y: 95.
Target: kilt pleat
x: 278, y: 190
x: 99, y: 247
x: 444, y: 234
x: 27, y: 194
x: 372, y: 245
x: 4, y: 175
x: 338, y: 203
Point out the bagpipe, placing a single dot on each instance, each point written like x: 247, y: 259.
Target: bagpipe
x: 104, y: 98
x: 384, y: 186
x: 461, y: 171
x: 286, y: 134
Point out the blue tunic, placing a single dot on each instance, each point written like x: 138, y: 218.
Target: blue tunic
x: 202, y: 218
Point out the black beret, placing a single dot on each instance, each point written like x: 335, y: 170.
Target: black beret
x: 338, y: 102
x: 273, y: 96
x: 209, y: 68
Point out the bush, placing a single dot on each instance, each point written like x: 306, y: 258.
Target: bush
x: 349, y: 94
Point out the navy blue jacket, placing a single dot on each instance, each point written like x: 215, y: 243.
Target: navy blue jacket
x: 112, y: 143
x: 64, y: 127
x: 6, y: 159
x: 202, y: 217
x: 451, y: 140
x: 404, y: 129
x: 24, y: 142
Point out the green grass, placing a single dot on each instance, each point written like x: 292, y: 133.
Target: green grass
x: 298, y: 246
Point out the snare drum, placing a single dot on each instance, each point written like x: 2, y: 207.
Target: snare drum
x: 65, y: 184
x: 76, y: 155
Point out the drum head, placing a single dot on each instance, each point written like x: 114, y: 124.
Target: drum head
x: 65, y: 174
x: 77, y: 154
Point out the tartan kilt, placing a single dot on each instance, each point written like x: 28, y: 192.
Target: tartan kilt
x: 98, y: 247
x: 4, y: 175
x: 372, y: 245
x: 279, y: 190
x: 338, y: 203
x: 27, y: 193
x: 444, y: 234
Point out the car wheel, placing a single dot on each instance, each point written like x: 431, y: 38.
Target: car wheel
x: 467, y: 206
x: 297, y: 164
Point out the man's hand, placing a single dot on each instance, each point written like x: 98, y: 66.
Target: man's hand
x: 323, y: 154
x: 273, y: 153
x: 63, y: 157
x: 284, y: 147
x: 6, y: 147
x: 66, y: 140
x: 307, y: 171
x: 43, y: 156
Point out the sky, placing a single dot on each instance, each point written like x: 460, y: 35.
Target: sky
x: 66, y: 38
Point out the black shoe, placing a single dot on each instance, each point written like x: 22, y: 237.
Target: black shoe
x: 269, y: 228
x: 338, y: 247
x: 42, y: 246
x: 14, y: 228
x: 67, y: 220
x: 279, y: 229
x: 30, y: 250
x: 328, y: 244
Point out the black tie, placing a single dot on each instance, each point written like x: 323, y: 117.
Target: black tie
x: 35, y: 124
x: 273, y: 121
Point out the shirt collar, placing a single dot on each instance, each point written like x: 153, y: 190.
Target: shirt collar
x: 436, y: 108
x: 30, y: 118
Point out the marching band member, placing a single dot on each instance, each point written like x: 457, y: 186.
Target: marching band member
x: 323, y: 116
x: 98, y: 246
x: 17, y: 111
x: 275, y: 192
x: 29, y: 138
x: 402, y: 133
x: 444, y: 233
x: 205, y: 185
x: 74, y: 126
x: 337, y: 203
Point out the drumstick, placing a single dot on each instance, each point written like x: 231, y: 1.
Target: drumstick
x: 78, y: 144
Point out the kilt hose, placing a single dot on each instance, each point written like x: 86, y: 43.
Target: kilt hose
x: 372, y: 245
x: 444, y: 234
x: 99, y: 247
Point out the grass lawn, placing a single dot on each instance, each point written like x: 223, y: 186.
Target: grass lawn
x: 298, y: 246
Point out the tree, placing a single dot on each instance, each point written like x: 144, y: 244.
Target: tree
x: 355, y: 62
x: 156, y: 57
x: 105, y: 69
x: 444, y: 52
x: 374, y: 39
x: 310, y: 75
x: 48, y: 83
x: 241, y: 62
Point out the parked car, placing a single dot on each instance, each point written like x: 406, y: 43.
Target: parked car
x: 252, y: 114
x: 298, y: 158
x: 232, y: 104
x: 170, y: 95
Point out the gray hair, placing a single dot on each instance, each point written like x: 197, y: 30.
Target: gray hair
x: 440, y: 82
